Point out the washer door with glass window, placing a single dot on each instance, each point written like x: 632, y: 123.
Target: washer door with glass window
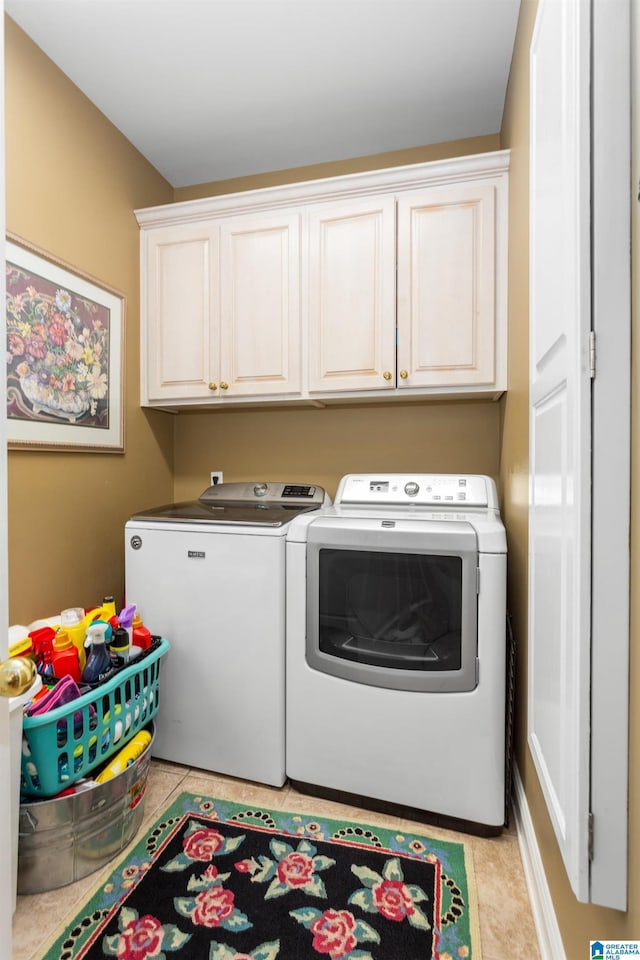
x: 393, y: 603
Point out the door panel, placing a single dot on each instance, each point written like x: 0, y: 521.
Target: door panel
x: 446, y: 286
x: 352, y: 296
x: 612, y: 45
x: 260, y: 304
x: 182, y: 351
x: 560, y: 426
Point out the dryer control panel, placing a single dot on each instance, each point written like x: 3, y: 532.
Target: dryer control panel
x: 425, y: 490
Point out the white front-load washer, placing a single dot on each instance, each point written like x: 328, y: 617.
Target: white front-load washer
x: 209, y: 575
x: 396, y: 646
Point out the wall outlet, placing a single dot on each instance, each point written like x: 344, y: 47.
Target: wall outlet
x: 216, y: 477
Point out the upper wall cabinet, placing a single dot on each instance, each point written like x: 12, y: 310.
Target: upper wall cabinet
x: 367, y: 287
x: 245, y: 269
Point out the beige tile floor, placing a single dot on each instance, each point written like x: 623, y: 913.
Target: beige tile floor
x: 506, y: 923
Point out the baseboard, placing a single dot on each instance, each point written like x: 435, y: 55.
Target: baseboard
x: 544, y: 915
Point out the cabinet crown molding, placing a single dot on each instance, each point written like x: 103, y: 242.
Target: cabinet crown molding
x: 409, y: 177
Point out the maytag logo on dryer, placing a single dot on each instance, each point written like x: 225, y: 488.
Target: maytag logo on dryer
x: 196, y: 554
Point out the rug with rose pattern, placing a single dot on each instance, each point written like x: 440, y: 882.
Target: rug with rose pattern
x: 216, y: 880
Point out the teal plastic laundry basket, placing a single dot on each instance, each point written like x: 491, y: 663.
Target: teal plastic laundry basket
x: 67, y: 743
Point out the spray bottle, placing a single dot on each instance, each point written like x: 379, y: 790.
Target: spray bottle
x: 98, y: 661
x: 125, y: 617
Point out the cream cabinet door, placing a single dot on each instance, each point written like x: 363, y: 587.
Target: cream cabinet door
x: 179, y: 314
x: 260, y: 305
x: 351, y: 295
x: 446, y: 286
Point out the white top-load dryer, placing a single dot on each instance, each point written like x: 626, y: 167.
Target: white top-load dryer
x: 209, y: 575
x: 396, y: 645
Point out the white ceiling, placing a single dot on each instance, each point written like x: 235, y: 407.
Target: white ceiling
x: 214, y: 89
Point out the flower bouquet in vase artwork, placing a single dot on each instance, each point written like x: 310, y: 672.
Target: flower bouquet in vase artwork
x: 57, y: 351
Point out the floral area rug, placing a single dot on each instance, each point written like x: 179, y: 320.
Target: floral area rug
x: 216, y: 880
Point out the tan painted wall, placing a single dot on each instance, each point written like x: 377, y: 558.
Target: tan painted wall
x: 578, y: 922
x: 72, y: 183
x: 319, y: 446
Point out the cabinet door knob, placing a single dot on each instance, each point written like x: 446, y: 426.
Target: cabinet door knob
x: 404, y: 374
x: 224, y: 385
x: 213, y: 386
x: 387, y: 375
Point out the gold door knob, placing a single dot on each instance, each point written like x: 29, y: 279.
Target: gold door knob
x: 16, y: 676
x: 224, y: 385
x: 387, y: 375
x: 213, y: 386
x: 404, y: 374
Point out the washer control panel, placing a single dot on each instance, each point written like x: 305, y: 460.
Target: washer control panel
x: 432, y: 490
x: 262, y: 492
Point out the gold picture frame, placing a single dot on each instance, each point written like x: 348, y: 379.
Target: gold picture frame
x: 65, y: 355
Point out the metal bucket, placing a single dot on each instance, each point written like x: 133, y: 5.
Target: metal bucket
x: 63, y: 839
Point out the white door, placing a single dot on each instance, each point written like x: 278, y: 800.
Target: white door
x: 7, y: 878
x: 579, y: 435
x: 560, y: 425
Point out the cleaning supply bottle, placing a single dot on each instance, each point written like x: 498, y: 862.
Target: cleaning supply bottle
x: 65, y: 659
x: 125, y: 617
x: 42, y: 638
x: 108, y: 608
x: 119, y: 647
x: 97, y: 615
x: 98, y: 661
x: 23, y: 648
x: 44, y: 655
x: 125, y: 757
x: 72, y: 620
x: 140, y: 636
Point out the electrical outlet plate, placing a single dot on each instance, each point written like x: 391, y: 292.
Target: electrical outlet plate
x: 216, y: 477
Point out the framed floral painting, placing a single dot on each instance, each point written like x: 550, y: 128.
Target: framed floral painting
x: 65, y: 335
